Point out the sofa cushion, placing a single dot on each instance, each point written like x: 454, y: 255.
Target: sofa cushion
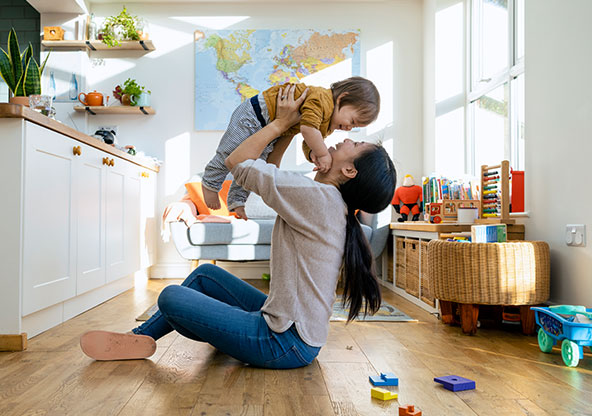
x: 255, y: 208
x: 256, y: 231
x: 195, y: 193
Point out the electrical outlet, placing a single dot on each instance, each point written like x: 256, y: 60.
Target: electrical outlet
x: 575, y: 235
x: 108, y: 128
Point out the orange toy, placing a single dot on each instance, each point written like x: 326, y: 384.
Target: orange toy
x: 409, y: 410
x: 411, y: 197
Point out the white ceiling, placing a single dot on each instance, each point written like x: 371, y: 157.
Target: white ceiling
x: 81, y: 6
x: 59, y: 6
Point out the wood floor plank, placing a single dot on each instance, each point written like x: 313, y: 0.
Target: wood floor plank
x: 416, y: 385
x: 183, y: 377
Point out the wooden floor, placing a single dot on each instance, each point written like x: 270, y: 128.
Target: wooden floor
x: 53, y: 377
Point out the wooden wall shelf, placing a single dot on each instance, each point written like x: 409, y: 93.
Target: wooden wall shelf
x: 97, y: 45
x: 119, y: 109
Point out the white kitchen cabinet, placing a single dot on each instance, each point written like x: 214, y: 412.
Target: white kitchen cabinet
x: 49, y: 266
x: 115, y: 221
x: 149, y: 221
x: 76, y: 229
x: 132, y: 211
x: 90, y: 219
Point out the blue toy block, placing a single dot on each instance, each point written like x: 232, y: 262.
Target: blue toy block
x: 390, y: 378
x: 385, y: 379
x: 455, y: 383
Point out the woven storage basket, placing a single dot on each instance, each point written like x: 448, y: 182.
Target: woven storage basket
x: 400, y: 266
x: 412, y: 267
x: 426, y: 291
x: 490, y: 273
x: 390, y: 269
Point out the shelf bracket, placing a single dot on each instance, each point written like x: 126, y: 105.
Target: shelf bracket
x: 90, y: 45
x: 143, y: 111
x: 144, y: 45
x: 90, y: 111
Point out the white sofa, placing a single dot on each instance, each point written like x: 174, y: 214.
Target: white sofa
x: 242, y: 240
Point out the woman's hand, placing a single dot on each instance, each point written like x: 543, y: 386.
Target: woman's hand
x: 287, y: 107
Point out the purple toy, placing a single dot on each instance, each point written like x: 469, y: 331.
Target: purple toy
x: 455, y: 383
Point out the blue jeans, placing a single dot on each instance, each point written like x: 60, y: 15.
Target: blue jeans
x: 214, y: 306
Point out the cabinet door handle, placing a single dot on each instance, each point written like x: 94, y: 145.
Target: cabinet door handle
x: 106, y: 161
x: 77, y: 150
x: 112, y: 162
x: 145, y: 175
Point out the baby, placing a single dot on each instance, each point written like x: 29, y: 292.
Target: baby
x: 353, y: 102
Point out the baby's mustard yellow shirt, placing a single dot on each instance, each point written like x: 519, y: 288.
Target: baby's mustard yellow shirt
x: 316, y: 110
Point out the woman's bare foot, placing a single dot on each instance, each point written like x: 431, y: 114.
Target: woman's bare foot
x: 210, y: 197
x: 107, y: 346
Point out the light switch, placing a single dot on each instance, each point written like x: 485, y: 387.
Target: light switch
x: 575, y: 235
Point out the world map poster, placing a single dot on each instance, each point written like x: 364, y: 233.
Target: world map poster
x: 234, y: 65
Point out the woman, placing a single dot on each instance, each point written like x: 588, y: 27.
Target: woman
x: 315, y: 234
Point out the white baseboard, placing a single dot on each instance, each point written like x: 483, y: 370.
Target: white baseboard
x: 47, y: 318
x: 170, y: 270
x: 244, y: 270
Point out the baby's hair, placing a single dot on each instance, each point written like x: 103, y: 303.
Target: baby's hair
x: 361, y: 94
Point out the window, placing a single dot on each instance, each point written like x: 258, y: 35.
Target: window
x: 479, y: 84
x: 495, y: 100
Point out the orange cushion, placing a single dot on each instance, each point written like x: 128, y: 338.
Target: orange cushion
x: 196, y: 195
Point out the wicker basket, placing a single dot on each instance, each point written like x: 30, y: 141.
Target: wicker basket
x: 490, y: 273
x: 390, y: 268
x: 412, y: 267
x: 426, y: 291
x: 400, y: 266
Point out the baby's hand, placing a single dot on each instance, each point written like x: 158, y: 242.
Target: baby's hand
x: 322, y: 163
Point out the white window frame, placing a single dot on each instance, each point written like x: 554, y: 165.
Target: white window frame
x: 515, y: 69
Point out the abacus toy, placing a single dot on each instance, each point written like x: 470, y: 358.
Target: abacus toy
x: 495, y: 194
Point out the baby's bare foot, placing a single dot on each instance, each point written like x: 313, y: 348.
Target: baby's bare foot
x: 211, y: 198
x: 241, y: 213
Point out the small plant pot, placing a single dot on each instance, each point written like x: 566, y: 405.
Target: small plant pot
x: 126, y: 99
x: 19, y: 100
x: 143, y: 100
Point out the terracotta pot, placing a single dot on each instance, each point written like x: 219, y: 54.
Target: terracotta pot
x: 19, y: 100
x: 126, y: 99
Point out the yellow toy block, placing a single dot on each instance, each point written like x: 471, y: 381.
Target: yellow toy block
x: 383, y: 394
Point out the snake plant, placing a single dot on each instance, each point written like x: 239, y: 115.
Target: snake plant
x: 20, y: 71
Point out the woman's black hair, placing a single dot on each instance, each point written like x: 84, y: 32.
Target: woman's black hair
x: 371, y: 190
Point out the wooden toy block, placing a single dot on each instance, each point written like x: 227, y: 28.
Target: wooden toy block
x: 455, y: 383
x: 409, y: 410
x: 385, y: 379
x: 383, y: 394
x: 390, y: 378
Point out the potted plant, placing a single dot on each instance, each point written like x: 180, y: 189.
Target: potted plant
x: 132, y: 93
x: 124, y: 26
x: 20, y: 71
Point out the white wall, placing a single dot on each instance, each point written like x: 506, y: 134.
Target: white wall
x: 558, y: 90
x: 391, y: 38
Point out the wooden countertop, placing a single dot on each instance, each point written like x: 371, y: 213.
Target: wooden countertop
x: 20, y: 111
x: 443, y: 228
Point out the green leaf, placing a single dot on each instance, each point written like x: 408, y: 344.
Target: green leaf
x: 6, y: 70
x: 19, y: 91
x: 44, y: 62
x: 15, y: 57
x: 26, y: 55
x: 32, y: 78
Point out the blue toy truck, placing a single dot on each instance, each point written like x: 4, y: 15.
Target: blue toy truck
x: 556, y: 324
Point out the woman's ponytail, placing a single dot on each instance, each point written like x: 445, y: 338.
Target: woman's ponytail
x: 360, y: 281
x: 371, y: 190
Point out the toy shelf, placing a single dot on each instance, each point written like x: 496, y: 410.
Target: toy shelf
x: 97, y: 45
x: 119, y: 109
